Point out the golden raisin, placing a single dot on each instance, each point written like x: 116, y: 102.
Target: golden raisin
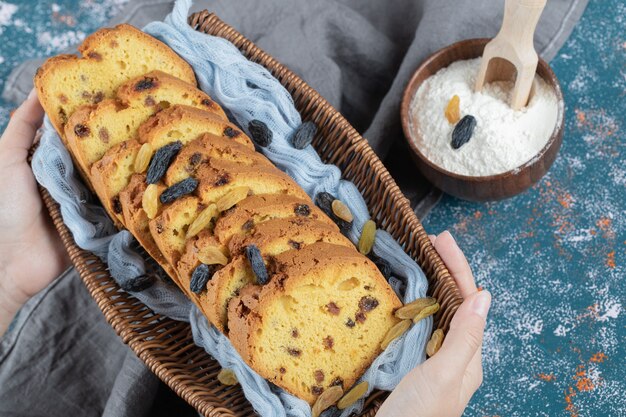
x: 326, y: 399
x: 211, y: 255
x: 425, y: 312
x: 202, y: 221
x: 409, y: 311
x: 341, y: 210
x: 368, y: 235
x: 395, y: 332
x: 353, y: 395
x: 227, y: 377
x: 143, y: 158
x: 453, y: 110
x: 150, y: 201
x: 232, y: 198
x: 435, y: 342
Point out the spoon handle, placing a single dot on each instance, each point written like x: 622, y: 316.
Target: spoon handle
x: 520, y: 21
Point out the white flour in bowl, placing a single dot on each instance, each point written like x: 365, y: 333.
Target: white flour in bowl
x: 503, y: 139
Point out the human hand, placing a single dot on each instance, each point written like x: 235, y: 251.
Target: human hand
x: 31, y: 252
x: 443, y: 385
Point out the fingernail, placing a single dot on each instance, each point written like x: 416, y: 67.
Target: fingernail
x: 32, y: 94
x: 481, y: 303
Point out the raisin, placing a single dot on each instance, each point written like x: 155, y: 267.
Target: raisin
x: 260, y: 133
x: 207, y: 102
x: 248, y: 225
x: 186, y: 186
x: 327, y: 399
x: 256, y: 262
x: 282, y: 370
x: 337, y: 382
x: 360, y: 317
x: 353, y: 395
x: 103, y: 134
x: 150, y: 201
x: 149, y: 101
x: 199, y: 278
x: 303, y: 136
x: 425, y: 312
x: 81, y: 130
x: 396, y: 331
x: 324, y: 201
x: 368, y: 303
x: 145, y: 84
x: 434, y: 343
x: 63, y: 98
x: 302, y: 210
x: 342, y: 211
x: 194, y: 161
x: 227, y: 377
x: 161, y: 161
x: 333, y: 308
x: 350, y: 323
x: 294, y: 244
x: 229, y: 132
x: 63, y: 116
x: 316, y: 390
x: 295, y: 333
x: 368, y: 236
x: 211, y: 255
x: 98, y: 97
x: 202, y: 221
x: 383, y: 266
x: 117, y: 206
x: 233, y: 197
x: 222, y: 180
x: 328, y: 342
x: 463, y: 131
x: 94, y: 55
x: 412, y: 309
x: 319, y: 375
x: 137, y: 284
x: 453, y: 112
x: 294, y: 352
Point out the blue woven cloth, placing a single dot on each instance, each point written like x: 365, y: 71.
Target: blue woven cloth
x: 249, y: 92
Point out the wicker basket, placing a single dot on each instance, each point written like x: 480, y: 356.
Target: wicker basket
x: 165, y: 345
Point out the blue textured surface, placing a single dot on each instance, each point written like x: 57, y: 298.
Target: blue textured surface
x: 552, y: 257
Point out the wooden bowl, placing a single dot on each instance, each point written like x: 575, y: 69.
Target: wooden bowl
x: 483, y: 188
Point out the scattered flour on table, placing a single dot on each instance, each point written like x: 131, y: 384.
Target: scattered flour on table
x: 503, y: 139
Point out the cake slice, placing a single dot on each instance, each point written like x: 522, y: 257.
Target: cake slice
x: 110, y: 57
x: 272, y: 238
x: 92, y: 130
x: 319, y: 321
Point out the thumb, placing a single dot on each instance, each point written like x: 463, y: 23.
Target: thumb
x: 466, y: 332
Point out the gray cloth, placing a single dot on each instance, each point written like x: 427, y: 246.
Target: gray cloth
x: 359, y: 55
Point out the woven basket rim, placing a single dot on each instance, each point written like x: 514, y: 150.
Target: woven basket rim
x: 166, y: 346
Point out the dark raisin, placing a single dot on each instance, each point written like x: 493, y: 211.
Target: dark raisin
x: 149, y: 101
x: 186, y: 186
x: 145, y: 84
x: 161, y: 161
x: 463, y: 131
x: 256, y: 262
x: 247, y: 226
x: 103, y: 133
x: 159, y: 227
x: 260, y: 133
x: 252, y: 85
x: 328, y: 342
x: 98, y: 97
x: 222, y: 180
x: 324, y: 201
x: 338, y: 381
x: 367, y: 288
x: 117, y: 206
x: 63, y: 116
x: 383, y: 266
x: 360, y: 317
x: 94, y: 55
x: 303, y: 136
x: 207, y: 102
x: 316, y: 390
x: 294, y: 351
x: 319, y: 375
x: 350, y: 323
x: 137, y: 284
x: 199, y: 278
x: 229, y: 132
x: 368, y: 303
x: 282, y: 370
x: 295, y: 333
x: 193, y: 162
x: 81, y: 130
x: 302, y: 210
x: 294, y: 244
x: 333, y: 308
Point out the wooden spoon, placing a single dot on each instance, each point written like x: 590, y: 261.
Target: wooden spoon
x: 512, y: 50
